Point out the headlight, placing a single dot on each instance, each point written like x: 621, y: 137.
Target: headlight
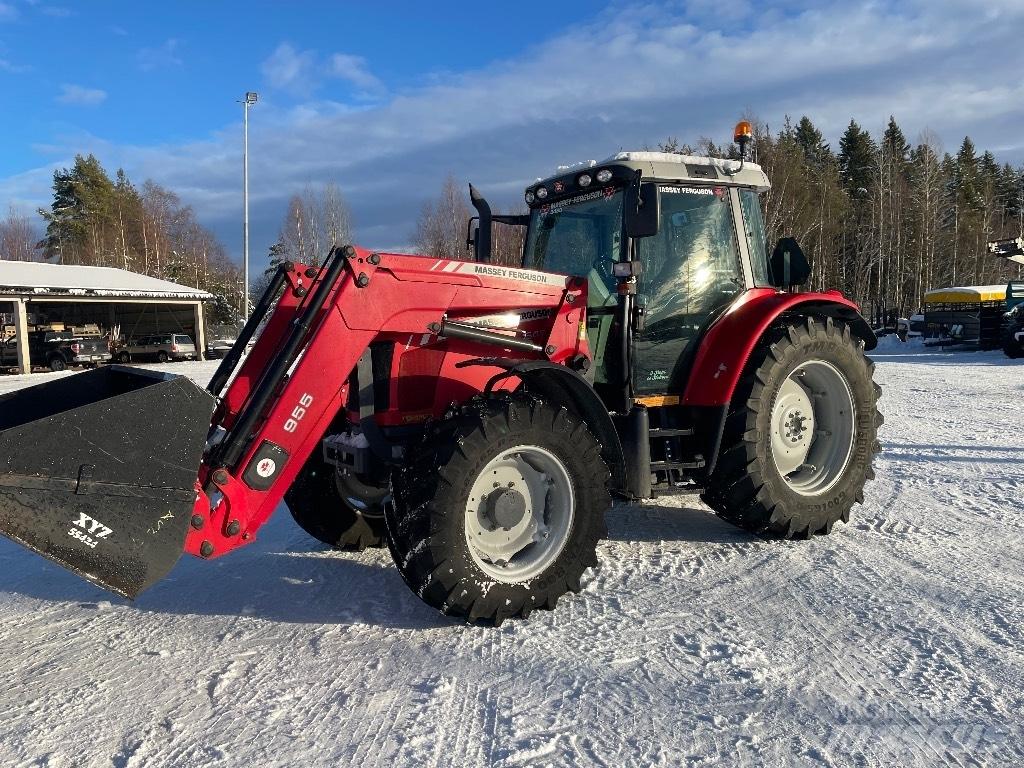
x: 530, y: 197
x: 584, y: 180
x: 604, y: 176
x: 542, y: 192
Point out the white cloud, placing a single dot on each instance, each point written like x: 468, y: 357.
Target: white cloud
x: 302, y: 72
x: 79, y: 95
x: 354, y: 70
x: 635, y: 75
x: 8, y: 12
x: 165, y: 55
x: 290, y: 69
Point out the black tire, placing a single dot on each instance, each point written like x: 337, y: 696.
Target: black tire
x: 124, y: 357
x: 1013, y: 349
x: 746, y: 488
x: 161, y: 357
x: 319, y: 509
x: 426, y: 523
x: 57, y: 364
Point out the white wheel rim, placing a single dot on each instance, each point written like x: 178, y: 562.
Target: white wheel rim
x: 812, y: 427
x: 519, y: 513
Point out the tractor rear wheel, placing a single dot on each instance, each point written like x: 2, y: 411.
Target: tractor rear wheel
x: 499, y: 510
x: 800, y: 434
x: 324, y: 509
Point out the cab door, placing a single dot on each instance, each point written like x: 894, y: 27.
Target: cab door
x: 691, y: 271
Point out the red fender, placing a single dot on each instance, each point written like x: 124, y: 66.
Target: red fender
x: 726, y: 347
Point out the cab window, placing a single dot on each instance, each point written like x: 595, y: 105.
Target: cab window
x: 753, y: 229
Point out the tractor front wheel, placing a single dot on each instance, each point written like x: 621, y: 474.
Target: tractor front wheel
x: 800, y: 434
x: 499, y: 510
x: 325, y: 509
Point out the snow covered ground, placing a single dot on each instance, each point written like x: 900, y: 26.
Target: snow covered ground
x: 898, y: 640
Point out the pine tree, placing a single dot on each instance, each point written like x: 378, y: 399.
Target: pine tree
x: 812, y: 143
x: 857, y: 162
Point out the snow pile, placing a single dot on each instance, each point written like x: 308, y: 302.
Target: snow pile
x: 895, y: 641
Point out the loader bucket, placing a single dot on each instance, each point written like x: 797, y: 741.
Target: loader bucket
x: 98, y: 471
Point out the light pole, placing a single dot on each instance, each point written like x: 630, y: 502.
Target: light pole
x: 251, y: 97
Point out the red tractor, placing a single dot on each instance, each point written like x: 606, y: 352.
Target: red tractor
x: 477, y: 418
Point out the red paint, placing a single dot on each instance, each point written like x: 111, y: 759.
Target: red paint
x: 724, y: 350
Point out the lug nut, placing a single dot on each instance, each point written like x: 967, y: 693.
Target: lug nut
x: 363, y: 280
x: 220, y: 476
x: 206, y: 549
x: 197, y: 521
x: 375, y: 258
x: 234, y: 527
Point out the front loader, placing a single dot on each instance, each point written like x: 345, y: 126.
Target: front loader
x: 477, y: 418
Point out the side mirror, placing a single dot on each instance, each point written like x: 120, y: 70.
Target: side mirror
x: 788, y: 264
x: 642, y: 201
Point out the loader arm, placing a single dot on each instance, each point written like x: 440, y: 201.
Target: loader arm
x: 296, y: 378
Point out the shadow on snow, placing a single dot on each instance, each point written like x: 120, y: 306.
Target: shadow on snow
x: 284, y: 576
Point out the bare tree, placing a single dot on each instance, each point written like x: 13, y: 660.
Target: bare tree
x: 316, y: 221
x: 507, y: 242
x: 441, y: 228
x: 17, y: 237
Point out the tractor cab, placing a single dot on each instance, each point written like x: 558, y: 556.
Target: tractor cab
x: 666, y: 242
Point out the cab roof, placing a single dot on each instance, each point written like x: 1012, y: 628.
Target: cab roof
x: 669, y: 166
x: 675, y: 167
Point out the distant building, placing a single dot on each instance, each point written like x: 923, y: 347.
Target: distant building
x: 34, y: 293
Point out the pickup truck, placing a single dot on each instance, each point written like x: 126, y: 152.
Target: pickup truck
x: 56, y: 350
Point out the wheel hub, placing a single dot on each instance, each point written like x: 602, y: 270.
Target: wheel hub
x: 505, y: 508
x: 792, y: 422
x: 796, y: 425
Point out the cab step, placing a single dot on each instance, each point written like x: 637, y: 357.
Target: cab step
x: 697, y: 463
x: 671, y: 431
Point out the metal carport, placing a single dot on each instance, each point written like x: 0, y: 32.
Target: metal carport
x: 103, y: 295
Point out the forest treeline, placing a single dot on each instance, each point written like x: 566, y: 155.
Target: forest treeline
x: 882, y: 219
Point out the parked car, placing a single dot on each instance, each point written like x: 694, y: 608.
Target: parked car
x: 56, y: 350
x: 160, y: 347
x: 218, y: 348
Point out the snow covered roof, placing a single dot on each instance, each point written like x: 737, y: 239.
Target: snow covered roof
x: 645, y: 156
x: 669, y: 166
x: 33, y: 278
x: 968, y: 294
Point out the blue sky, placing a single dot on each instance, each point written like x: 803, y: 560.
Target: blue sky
x: 385, y: 99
